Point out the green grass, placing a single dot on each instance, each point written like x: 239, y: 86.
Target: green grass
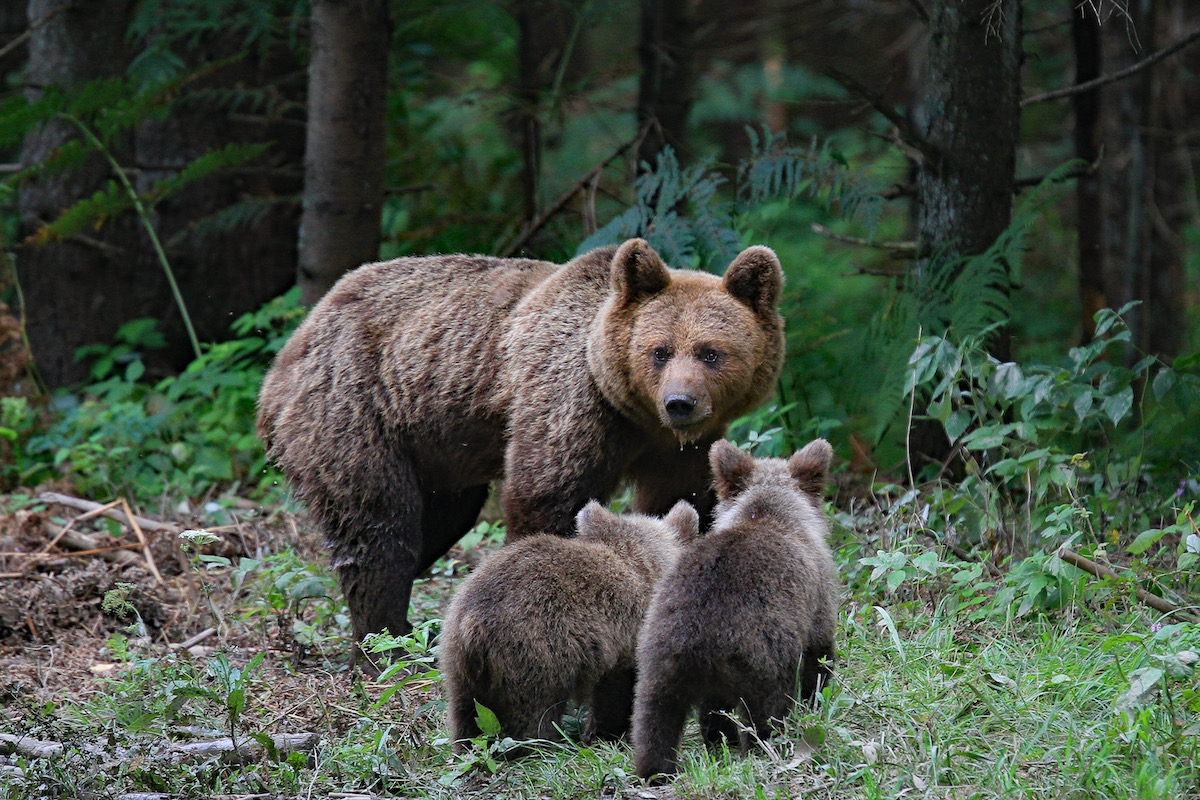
x: 934, y: 697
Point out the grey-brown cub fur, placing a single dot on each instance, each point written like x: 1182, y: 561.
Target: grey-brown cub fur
x: 548, y: 619
x: 746, y: 610
x: 416, y: 382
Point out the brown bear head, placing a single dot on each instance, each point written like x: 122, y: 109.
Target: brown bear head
x: 649, y: 544
x: 685, y: 349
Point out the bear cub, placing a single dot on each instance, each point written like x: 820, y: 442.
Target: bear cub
x: 549, y: 619
x: 744, y: 611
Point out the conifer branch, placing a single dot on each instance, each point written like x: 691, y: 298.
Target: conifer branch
x: 902, y: 123
x: 896, y: 249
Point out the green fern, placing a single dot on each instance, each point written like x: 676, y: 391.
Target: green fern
x: 687, y: 217
x: 958, y: 298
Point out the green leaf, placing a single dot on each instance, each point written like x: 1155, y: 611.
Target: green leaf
x: 1117, y: 406
x: 134, y: 370
x: 1163, y: 381
x: 486, y: 720
x: 1144, y: 540
x: 956, y: 424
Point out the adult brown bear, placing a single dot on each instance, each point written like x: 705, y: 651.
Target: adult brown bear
x: 415, y: 382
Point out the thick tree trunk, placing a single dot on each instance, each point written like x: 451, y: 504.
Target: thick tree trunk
x: 78, y: 291
x: 226, y: 270
x: 970, y: 112
x: 665, y: 90
x: 344, y: 148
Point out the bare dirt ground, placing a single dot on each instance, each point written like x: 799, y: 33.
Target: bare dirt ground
x: 55, y: 626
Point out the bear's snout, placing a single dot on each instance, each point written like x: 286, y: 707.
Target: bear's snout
x: 680, y: 407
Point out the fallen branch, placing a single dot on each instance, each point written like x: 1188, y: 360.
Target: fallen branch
x: 106, y: 510
x: 195, y: 640
x: 1146, y: 598
x: 28, y: 746
x: 87, y: 546
x: 247, y: 749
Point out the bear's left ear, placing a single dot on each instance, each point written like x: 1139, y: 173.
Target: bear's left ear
x: 731, y: 468
x: 756, y: 278
x: 592, y: 516
x: 809, y: 466
x: 638, y: 271
x: 684, y: 518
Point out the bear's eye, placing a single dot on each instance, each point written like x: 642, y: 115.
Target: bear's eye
x: 661, y: 355
x: 709, y: 355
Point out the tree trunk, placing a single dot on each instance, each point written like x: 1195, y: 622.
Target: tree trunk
x: 1145, y: 156
x: 78, y: 291
x: 253, y: 259
x: 1085, y: 30
x: 344, y: 148
x: 964, y: 182
x: 668, y: 77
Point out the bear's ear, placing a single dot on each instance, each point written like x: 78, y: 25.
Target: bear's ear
x: 810, y: 466
x: 685, y: 520
x: 731, y: 468
x: 592, y: 517
x: 756, y: 278
x: 637, y: 271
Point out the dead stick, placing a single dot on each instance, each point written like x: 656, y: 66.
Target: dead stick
x: 195, y: 640
x: 1101, y: 571
x: 28, y: 746
x: 137, y: 529
x: 89, y: 505
x: 564, y: 198
x: 898, y: 249
x: 78, y: 541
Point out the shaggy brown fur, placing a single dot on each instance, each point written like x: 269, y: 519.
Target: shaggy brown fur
x: 548, y: 619
x: 746, y: 610
x: 415, y: 382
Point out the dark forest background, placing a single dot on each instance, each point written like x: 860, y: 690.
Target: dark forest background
x: 992, y: 171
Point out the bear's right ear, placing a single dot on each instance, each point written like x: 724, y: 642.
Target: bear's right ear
x: 756, y: 278
x: 637, y: 271
x: 731, y: 468
x: 591, y: 516
x: 684, y: 518
x: 809, y: 466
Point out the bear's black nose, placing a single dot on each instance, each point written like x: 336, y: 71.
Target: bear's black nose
x: 680, y: 407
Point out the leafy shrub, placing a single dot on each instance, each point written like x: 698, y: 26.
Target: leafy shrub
x: 185, y: 433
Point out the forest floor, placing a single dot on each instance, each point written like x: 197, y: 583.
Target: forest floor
x: 120, y: 675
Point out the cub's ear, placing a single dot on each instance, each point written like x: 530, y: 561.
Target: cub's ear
x: 592, y: 517
x: 637, y: 271
x: 756, y: 278
x: 731, y: 468
x: 685, y: 520
x: 810, y: 466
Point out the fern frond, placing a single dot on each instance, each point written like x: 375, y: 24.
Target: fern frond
x: 242, y: 215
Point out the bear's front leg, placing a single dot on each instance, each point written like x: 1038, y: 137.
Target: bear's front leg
x: 555, y: 464
x: 667, y: 475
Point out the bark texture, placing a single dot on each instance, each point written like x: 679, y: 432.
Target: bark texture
x: 1146, y: 130
x: 344, y: 147
x: 81, y: 290
x: 969, y: 124
x: 667, y: 59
